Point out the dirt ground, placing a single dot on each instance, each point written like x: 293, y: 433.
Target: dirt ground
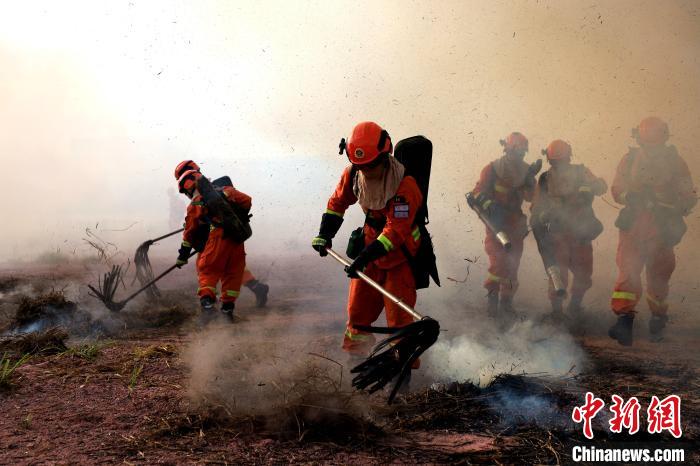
x: 124, y: 393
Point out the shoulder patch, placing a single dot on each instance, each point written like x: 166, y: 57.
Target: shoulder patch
x: 401, y: 209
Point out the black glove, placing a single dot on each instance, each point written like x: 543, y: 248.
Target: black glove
x: 330, y: 224
x: 183, y: 255
x: 372, y: 252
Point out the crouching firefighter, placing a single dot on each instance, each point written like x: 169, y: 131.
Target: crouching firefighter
x: 389, y: 239
x: 562, y: 215
x: 497, y: 198
x: 258, y: 288
x: 654, y: 185
x: 224, y: 212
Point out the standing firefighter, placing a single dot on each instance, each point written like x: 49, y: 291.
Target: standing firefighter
x: 223, y: 258
x: 654, y: 185
x: 390, y: 201
x: 259, y: 288
x: 563, y: 206
x: 498, y: 195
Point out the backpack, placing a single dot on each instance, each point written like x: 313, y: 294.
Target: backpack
x: 416, y: 155
x: 234, y: 220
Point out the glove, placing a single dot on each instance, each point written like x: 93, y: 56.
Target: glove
x: 584, y: 196
x: 372, y: 252
x: 320, y: 244
x: 330, y: 224
x: 183, y: 255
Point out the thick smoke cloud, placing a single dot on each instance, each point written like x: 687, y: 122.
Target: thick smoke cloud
x: 100, y: 100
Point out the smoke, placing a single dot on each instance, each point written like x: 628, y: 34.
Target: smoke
x: 102, y: 99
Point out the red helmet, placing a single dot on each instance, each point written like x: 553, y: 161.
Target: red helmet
x: 558, y: 150
x: 515, y: 142
x: 368, y: 141
x: 652, y: 130
x: 188, y: 181
x: 184, y: 166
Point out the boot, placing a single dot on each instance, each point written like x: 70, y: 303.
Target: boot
x: 656, y: 327
x: 227, y: 309
x: 506, y: 305
x: 260, y: 289
x: 492, y: 306
x: 557, y: 307
x: 574, y: 308
x: 207, y: 303
x: 622, y: 330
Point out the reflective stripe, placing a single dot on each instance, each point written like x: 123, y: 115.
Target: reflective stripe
x: 416, y: 234
x: 668, y: 206
x: 212, y: 288
x: 197, y: 203
x: 494, y: 278
x: 584, y: 189
x: 500, y: 188
x: 653, y: 300
x: 624, y: 295
x: 186, y: 244
x: 333, y: 212
x: 318, y: 241
x: 356, y: 336
x: 623, y: 197
x: 232, y: 293
x: 487, y: 204
x: 388, y: 245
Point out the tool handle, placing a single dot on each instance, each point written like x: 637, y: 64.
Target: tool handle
x: 165, y: 236
x: 501, y: 236
x: 376, y: 286
x: 163, y: 274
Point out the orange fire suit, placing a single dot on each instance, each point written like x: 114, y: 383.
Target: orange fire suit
x: 503, y: 182
x: 663, y: 176
x: 222, y: 259
x: 393, y: 226
x: 563, y: 194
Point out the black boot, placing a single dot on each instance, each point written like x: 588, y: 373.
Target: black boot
x: 207, y: 303
x: 492, y: 306
x: 656, y: 328
x: 506, y: 305
x: 622, y: 330
x: 260, y: 289
x: 574, y: 308
x: 227, y: 309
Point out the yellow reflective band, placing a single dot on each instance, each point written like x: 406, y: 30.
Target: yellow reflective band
x: 623, y: 197
x: 186, y: 244
x: 668, y: 206
x: 318, y: 241
x: 494, y: 278
x: 653, y: 300
x: 487, y: 204
x: 197, y: 203
x: 624, y: 295
x: 212, y: 288
x: 232, y: 293
x: 500, y: 188
x: 416, y: 234
x: 584, y: 189
x: 333, y: 212
x: 356, y: 336
x: 388, y: 245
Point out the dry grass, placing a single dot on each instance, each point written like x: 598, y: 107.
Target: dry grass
x: 51, y: 341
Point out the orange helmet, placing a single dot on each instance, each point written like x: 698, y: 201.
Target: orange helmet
x: 368, y: 141
x: 515, y: 142
x: 188, y: 181
x: 652, y: 130
x: 557, y: 150
x: 184, y: 166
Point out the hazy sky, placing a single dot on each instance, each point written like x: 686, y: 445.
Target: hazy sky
x: 100, y: 100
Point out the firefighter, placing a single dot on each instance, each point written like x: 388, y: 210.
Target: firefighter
x: 654, y: 185
x: 222, y: 259
x: 563, y: 202
x: 390, y: 201
x: 502, y: 187
x: 258, y: 288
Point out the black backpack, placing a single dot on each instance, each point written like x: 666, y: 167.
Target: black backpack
x: 416, y: 155
x: 234, y: 220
